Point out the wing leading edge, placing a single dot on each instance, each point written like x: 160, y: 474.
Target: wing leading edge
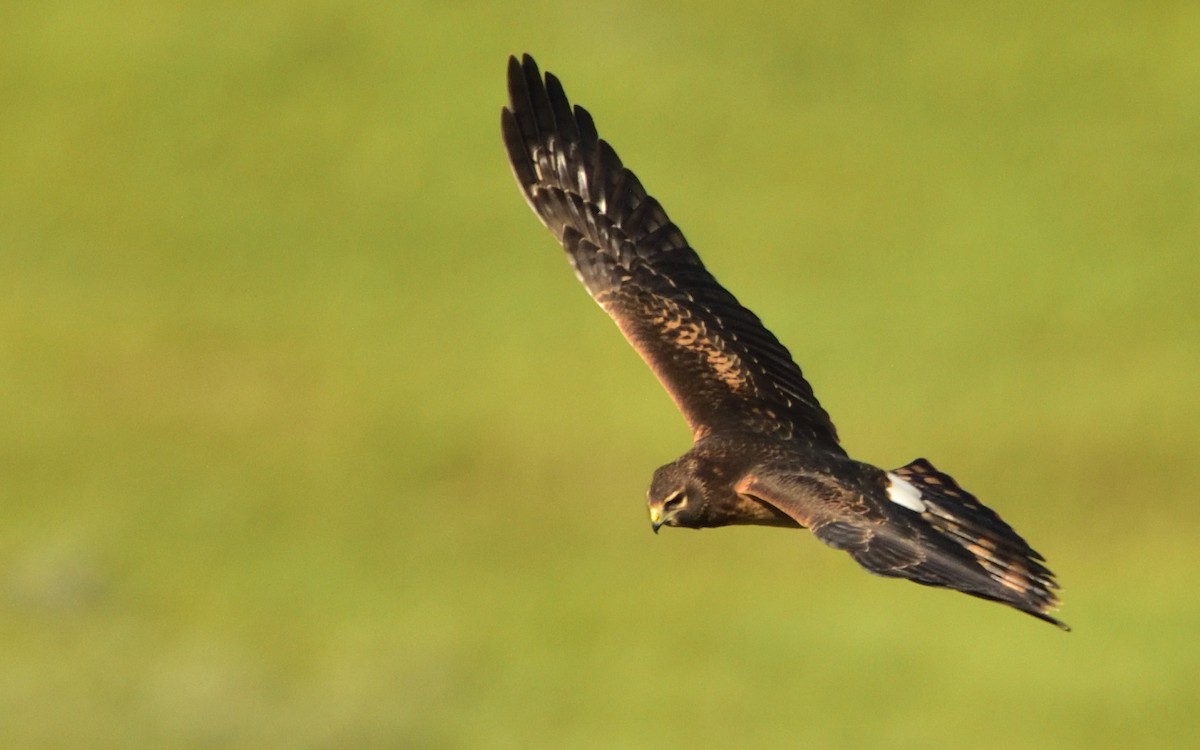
x: 723, y: 369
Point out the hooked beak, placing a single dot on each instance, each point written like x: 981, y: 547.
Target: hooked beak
x: 656, y: 518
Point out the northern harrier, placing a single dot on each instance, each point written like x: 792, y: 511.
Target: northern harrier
x: 764, y: 451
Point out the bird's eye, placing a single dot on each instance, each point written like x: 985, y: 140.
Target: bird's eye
x: 674, y: 501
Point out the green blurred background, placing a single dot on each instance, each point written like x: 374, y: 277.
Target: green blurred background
x: 309, y: 438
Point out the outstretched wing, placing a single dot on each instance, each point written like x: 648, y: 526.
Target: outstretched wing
x: 914, y: 523
x: 721, y: 366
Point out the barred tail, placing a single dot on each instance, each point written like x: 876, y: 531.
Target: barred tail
x: 1014, y: 571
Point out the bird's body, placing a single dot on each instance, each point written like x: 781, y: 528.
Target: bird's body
x: 765, y: 452
x: 717, y: 464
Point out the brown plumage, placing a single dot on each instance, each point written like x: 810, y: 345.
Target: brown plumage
x: 765, y: 451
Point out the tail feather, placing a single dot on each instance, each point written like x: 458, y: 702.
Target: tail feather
x: 1015, y: 569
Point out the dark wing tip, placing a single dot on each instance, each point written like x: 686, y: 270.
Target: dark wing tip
x: 526, y: 120
x: 588, y: 135
x: 526, y: 95
x: 560, y: 107
x: 740, y: 375
x: 519, y: 157
x: 1055, y: 621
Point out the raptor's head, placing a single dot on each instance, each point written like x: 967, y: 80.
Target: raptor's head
x: 676, y: 497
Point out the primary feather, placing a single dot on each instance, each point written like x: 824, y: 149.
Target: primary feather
x: 765, y: 451
x: 715, y: 358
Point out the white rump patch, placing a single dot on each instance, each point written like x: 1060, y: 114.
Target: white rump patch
x: 903, y: 493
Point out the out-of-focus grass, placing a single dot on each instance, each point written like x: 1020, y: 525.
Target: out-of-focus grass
x: 309, y: 438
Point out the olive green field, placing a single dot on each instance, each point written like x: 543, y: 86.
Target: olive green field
x: 309, y: 437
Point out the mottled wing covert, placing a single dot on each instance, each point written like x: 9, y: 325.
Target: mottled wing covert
x: 721, y: 366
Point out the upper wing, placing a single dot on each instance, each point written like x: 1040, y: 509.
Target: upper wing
x: 722, y: 368
x: 931, y: 531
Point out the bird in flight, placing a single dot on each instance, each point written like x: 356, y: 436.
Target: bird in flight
x: 764, y: 450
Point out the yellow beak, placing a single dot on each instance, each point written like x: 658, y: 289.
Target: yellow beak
x: 656, y: 518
